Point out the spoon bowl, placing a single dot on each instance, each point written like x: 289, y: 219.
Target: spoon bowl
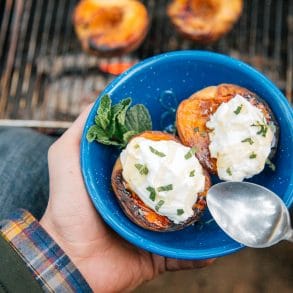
x: 249, y: 213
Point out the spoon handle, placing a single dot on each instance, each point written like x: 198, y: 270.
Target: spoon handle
x: 289, y: 235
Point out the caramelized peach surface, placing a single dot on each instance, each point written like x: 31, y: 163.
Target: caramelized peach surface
x: 194, y: 112
x: 204, y: 21
x: 110, y: 27
x: 135, y: 208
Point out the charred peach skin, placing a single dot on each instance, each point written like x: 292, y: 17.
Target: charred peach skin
x: 194, y: 112
x: 110, y: 27
x: 135, y: 208
x: 204, y: 21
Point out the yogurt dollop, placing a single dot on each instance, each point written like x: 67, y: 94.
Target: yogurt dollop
x: 165, y: 175
x: 240, y: 139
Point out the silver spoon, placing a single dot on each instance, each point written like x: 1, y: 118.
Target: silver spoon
x: 250, y: 213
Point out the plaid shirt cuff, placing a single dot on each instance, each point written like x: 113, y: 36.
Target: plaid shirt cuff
x: 44, y: 258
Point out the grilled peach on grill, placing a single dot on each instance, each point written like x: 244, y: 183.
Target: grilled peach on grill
x: 135, y: 208
x: 204, y: 21
x: 110, y: 27
x: 194, y: 112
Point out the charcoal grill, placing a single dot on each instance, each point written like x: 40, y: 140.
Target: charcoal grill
x: 46, y: 78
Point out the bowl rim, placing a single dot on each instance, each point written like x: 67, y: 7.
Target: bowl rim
x: 102, y: 209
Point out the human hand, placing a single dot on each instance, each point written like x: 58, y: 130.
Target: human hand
x: 107, y: 262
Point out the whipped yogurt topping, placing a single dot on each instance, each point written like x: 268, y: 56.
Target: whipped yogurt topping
x: 240, y: 139
x: 165, y: 175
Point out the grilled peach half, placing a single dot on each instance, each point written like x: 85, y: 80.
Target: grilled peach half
x: 110, y: 27
x: 204, y: 21
x: 135, y: 208
x: 194, y: 112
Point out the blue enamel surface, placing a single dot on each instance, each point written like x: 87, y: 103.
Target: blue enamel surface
x: 171, y: 78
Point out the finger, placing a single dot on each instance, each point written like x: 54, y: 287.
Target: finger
x: 177, y: 264
x: 74, y: 133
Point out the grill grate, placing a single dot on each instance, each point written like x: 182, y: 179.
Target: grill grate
x: 46, y: 79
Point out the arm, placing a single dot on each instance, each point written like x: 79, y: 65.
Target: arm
x: 106, y: 262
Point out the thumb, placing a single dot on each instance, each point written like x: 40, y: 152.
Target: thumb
x: 73, y: 134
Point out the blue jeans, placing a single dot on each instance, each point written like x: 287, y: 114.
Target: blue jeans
x: 24, y: 180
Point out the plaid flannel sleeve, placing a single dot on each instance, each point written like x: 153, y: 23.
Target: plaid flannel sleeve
x: 44, y: 258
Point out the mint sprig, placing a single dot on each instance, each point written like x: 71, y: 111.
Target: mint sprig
x: 117, y: 124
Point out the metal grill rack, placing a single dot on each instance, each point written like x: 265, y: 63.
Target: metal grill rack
x: 46, y: 79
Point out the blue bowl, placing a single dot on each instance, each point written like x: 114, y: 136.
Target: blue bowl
x: 160, y: 83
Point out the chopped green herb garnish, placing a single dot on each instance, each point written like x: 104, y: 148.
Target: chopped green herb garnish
x: 238, y: 109
x: 229, y: 172
x: 252, y: 155
x: 159, y: 205
x: 165, y: 188
x: 180, y: 212
x: 270, y: 164
x: 136, y: 146
x: 196, y: 129
x: 143, y: 170
x: 248, y: 139
x: 156, y: 152
x: 192, y: 173
x: 263, y: 128
x: 152, y: 193
x: 190, y: 153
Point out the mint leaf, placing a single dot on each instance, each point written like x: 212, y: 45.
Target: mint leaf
x: 121, y: 118
x: 113, y: 124
x: 105, y: 140
x: 127, y: 136
x: 159, y: 205
x: 104, y: 112
x: 263, y: 128
x: 138, y: 118
x: 248, y: 139
x: 228, y: 171
x: 122, y: 114
x: 142, y: 169
x: 152, y: 193
x: 192, y: 173
x: 118, y: 113
x: 238, y: 109
x: 92, y: 133
x: 165, y: 188
x: 97, y: 133
x: 190, y: 153
x: 252, y: 155
x: 156, y: 152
